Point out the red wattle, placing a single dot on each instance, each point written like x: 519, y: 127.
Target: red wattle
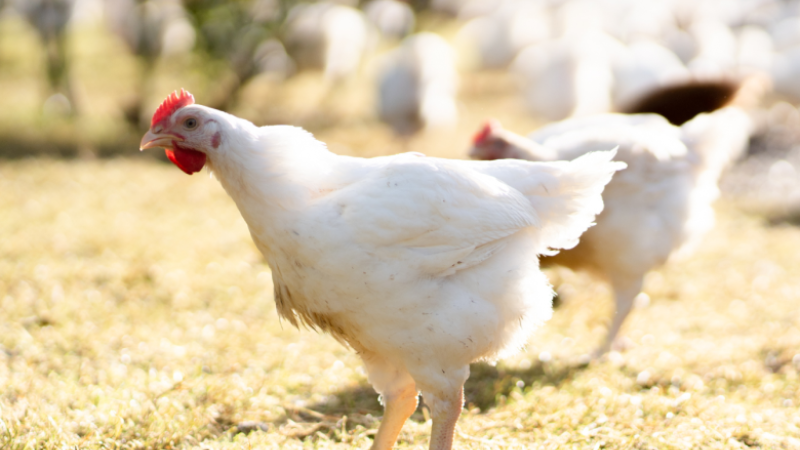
x: 189, y: 161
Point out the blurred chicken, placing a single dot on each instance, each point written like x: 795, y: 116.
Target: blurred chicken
x: 451, y: 7
x: 658, y: 207
x: 394, y: 19
x: 422, y: 265
x: 328, y: 37
x: 493, y: 39
x: 786, y: 62
x: 570, y: 76
x: 643, y: 67
x: 417, y: 85
x: 150, y: 29
x: 50, y: 18
x: 715, y: 48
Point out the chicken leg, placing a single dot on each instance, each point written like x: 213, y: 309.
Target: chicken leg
x: 445, y: 412
x: 399, y: 407
x: 625, y: 291
x: 399, y: 393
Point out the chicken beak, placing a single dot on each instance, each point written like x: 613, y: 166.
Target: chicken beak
x: 151, y: 140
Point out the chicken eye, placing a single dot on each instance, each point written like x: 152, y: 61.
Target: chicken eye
x: 190, y: 123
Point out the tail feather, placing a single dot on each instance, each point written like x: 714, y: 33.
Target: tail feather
x: 568, y: 202
x: 566, y: 195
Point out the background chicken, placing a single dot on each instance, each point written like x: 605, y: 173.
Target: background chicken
x: 50, y: 18
x: 417, y: 85
x: 422, y: 265
x: 394, y: 19
x: 658, y: 206
x: 328, y: 37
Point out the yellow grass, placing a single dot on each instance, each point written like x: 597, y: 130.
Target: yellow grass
x: 135, y: 312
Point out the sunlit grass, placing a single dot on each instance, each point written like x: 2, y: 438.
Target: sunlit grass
x: 136, y: 313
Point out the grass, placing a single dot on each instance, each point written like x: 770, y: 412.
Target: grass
x: 138, y: 314
x: 135, y: 313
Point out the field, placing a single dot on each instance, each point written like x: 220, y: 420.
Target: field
x: 138, y: 314
x: 135, y: 313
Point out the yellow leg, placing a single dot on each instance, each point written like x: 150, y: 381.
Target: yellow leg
x: 399, y: 407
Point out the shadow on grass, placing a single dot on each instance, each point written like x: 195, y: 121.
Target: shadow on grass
x: 784, y: 216
x: 486, y: 387
x: 773, y: 213
x: 489, y: 385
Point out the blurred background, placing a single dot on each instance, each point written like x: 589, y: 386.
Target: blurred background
x: 135, y: 311
x: 81, y: 78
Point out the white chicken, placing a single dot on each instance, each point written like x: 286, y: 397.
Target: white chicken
x: 641, y: 68
x: 494, y: 38
x: 393, y: 18
x: 327, y: 36
x: 422, y: 265
x: 417, y: 85
x: 568, y: 77
x: 661, y: 204
x: 50, y: 18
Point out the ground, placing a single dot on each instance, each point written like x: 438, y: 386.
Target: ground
x: 136, y: 313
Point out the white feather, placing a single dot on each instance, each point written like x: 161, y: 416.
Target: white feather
x: 659, y: 207
x: 427, y: 264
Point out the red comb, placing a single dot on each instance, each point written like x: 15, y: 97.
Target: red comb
x: 484, y: 133
x: 173, y: 102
